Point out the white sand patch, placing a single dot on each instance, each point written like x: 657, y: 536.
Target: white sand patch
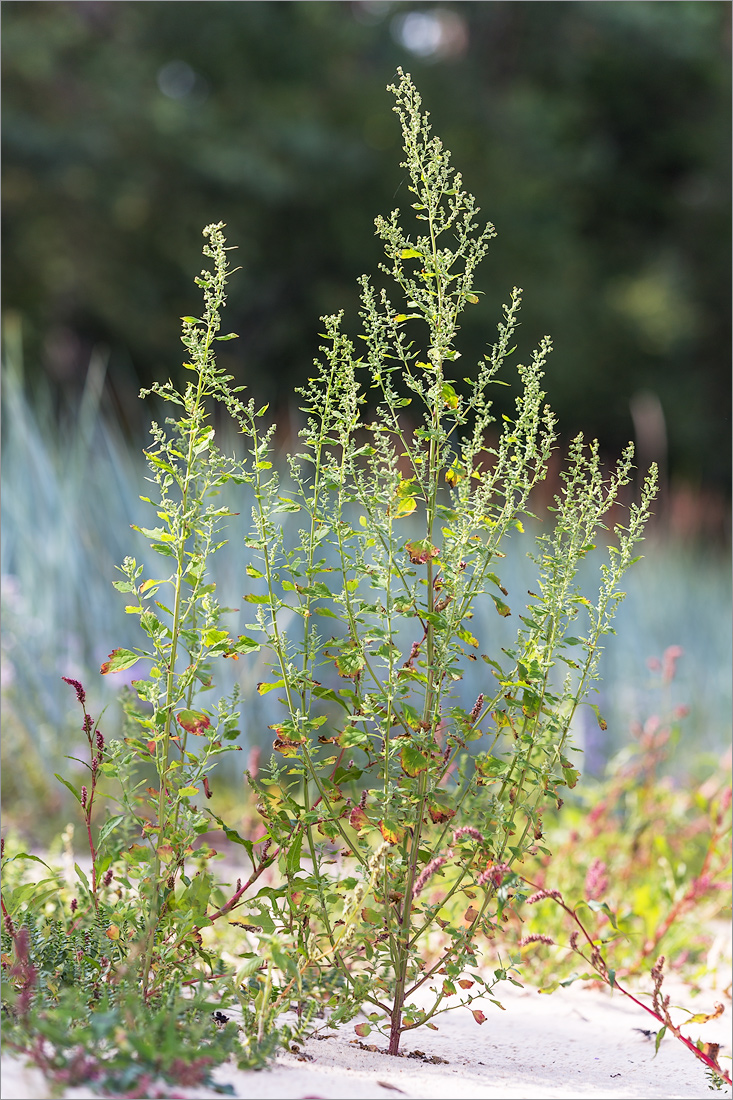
x: 573, y: 1044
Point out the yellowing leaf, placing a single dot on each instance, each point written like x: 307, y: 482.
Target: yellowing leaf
x: 262, y: 689
x: 404, y: 507
x: 503, y: 609
x: 391, y: 832
x: 412, y: 760
x: 450, y: 397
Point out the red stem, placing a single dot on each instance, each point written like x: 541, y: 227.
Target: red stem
x: 603, y: 974
x: 237, y: 895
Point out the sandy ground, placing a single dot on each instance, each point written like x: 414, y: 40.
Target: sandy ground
x: 575, y: 1043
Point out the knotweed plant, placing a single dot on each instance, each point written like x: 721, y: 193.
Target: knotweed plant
x: 407, y: 492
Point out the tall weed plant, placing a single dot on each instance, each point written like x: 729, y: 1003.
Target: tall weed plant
x: 394, y: 816
x: 376, y: 763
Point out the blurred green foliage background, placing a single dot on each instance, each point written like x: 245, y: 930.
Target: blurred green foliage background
x: 595, y: 135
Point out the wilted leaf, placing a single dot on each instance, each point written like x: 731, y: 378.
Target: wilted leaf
x: 363, y: 1029
x: 439, y: 814
x: 421, y: 551
x: 358, y: 819
x: 501, y: 607
x: 703, y: 1017
x: 478, y: 1015
x: 572, y: 775
x: 471, y: 914
x: 287, y: 748
x: 194, y: 721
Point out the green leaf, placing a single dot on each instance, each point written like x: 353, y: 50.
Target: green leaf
x: 292, y: 863
x: 36, y: 859
x: 109, y: 827
x: 67, y: 784
x: 229, y: 336
x: 410, y: 254
x: 233, y: 836
x: 660, y: 1036
x: 352, y: 738
x: 118, y: 661
x: 244, y: 644
x: 350, y: 662
x: 188, y: 792
x: 213, y: 637
x: 81, y: 875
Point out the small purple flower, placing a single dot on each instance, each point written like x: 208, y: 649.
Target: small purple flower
x: 100, y: 743
x: 536, y: 938
x: 494, y: 873
x: 596, y: 880
x: 467, y: 830
x: 477, y: 707
x: 80, y: 693
x: 427, y: 872
x: 108, y: 877
x: 541, y: 894
x: 74, y: 905
x: 84, y: 793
